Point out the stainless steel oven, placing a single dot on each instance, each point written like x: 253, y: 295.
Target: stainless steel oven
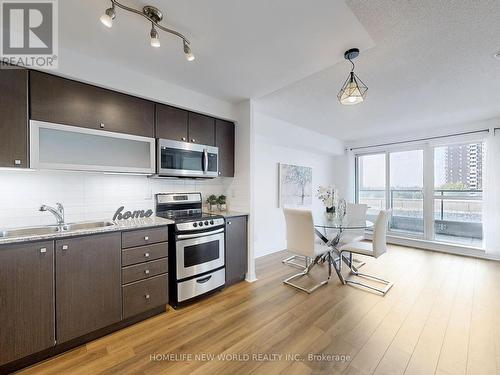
x: 196, y: 249
x: 198, y: 253
x: 182, y: 159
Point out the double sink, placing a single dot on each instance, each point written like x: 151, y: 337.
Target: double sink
x: 50, y: 229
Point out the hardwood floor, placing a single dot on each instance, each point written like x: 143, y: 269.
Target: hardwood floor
x: 441, y: 317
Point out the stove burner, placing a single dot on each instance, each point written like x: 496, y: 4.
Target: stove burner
x: 186, y: 211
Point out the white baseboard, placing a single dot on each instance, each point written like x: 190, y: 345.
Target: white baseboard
x: 438, y: 247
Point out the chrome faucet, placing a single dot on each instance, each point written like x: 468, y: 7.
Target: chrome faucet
x: 58, y: 212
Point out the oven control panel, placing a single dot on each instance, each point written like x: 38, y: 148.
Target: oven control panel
x: 201, y: 224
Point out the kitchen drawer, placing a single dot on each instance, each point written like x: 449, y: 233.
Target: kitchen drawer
x: 144, y: 253
x: 144, y: 270
x: 144, y: 295
x: 200, y: 285
x: 144, y: 237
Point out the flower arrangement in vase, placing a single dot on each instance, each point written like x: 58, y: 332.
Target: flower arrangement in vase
x: 329, y: 196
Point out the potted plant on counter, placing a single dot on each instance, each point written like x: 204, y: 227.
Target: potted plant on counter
x: 212, y: 202
x: 221, y: 201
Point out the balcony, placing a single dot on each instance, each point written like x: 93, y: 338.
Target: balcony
x: 457, y: 213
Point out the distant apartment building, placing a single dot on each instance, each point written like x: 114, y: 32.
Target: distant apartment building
x: 464, y: 164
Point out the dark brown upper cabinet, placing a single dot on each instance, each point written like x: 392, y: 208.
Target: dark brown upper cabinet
x: 236, y: 249
x: 201, y: 129
x: 181, y: 125
x: 26, y: 299
x: 171, y: 123
x: 63, y: 101
x: 14, y: 118
x: 224, y: 140
x: 88, y: 284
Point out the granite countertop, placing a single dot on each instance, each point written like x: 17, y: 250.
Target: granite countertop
x: 122, y: 225
x: 228, y: 213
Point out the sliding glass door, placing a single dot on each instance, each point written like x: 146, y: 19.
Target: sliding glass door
x: 434, y: 191
x: 458, y: 193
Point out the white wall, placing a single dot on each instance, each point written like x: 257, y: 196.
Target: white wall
x: 293, y: 136
x: 86, y: 196
x: 240, y: 190
x: 269, y: 233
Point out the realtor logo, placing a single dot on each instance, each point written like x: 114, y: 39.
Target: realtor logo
x: 29, y: 33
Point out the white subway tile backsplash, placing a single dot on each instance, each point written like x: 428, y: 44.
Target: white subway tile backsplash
x: 86, y: 196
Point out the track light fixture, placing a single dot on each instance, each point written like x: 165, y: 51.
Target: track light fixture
x: 108, y: 16
x: 153, y: 15
x: 155, y: 40
x: 188, y: 53
x: 353, y: 90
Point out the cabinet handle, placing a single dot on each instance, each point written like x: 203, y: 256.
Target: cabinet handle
x: 17, y: 162
x: 101, y: 125
x: 228, y: 223
x: 183, y: 138
x: 43, y: 250
x: 193, y: 140
x: 146, y: 272
x: 146, y: 238
x: 65, y: 247
x: 147, y: 296
x: 146, y: 255
x: 220, y: 173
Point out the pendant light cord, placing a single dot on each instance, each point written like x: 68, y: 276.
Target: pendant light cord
x: 352, y: 69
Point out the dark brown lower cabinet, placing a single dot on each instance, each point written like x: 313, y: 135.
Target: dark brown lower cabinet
x: 236, y: 249
x: 144, y: 295
x: 26, y: 299
x: 88, y: 284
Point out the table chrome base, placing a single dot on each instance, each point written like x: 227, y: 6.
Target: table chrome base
x: 306, y: 271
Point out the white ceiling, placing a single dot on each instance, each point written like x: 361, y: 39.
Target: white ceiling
x: 432, y: 66
x: 244, y: 49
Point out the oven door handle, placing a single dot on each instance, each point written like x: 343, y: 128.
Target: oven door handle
x: 196, y: 235
x: 204, y: 280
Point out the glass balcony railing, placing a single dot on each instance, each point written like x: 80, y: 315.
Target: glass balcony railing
x: 457, y: 213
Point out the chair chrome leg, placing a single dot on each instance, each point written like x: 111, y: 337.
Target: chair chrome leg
x: 359, y: 263
x: 304, y: 273
x: 354, y: 271
x: 291, y: 261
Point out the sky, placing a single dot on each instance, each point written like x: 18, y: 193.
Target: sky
x: 406, y: 169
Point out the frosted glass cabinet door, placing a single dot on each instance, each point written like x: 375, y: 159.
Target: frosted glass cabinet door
x: 55, y: 146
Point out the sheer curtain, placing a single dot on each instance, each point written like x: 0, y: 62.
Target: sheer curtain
x: 491, y: 204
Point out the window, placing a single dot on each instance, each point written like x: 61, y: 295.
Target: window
x: 451, y: 174
x: 406, y: 193
x: 371, y: 178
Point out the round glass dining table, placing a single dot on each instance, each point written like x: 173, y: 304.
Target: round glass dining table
x: 323, y: 221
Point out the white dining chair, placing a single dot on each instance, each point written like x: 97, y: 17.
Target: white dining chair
x: 375, y: 249
x: 355, y: 213
x: 301, y: 240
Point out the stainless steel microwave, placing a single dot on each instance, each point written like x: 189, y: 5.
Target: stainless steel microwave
x: 182, y: 159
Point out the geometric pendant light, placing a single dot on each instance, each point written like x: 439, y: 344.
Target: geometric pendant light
x: 353, y: 90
